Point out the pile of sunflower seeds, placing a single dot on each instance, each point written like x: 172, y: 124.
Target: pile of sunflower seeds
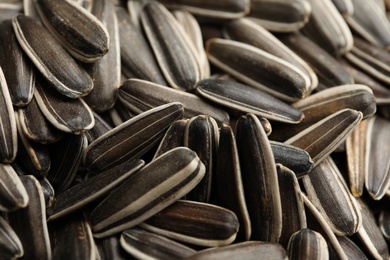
x: 194, y: 129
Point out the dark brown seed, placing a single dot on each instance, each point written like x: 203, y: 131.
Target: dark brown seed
x: 12, y: 192
x: 100, y: 128
x: 307, y: 244
x: 384, y: 223
x: 48, y: 191
x: 351, y: 250
x: 10, y: 245
x: 109, y: 248
x: 174, y: 137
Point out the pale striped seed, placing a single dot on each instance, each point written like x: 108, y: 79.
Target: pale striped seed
x: 16, y: 66
x: 133, y: 93
x: 159, y: 184
x: 229, y: 188
x: 307, y: 244
x: 250, y: 250
x: 12, y: 192
x: 328, y: 29
x: 247, y: 31
x: 77, y: 30
x: 345, y: 7
x: 137, y: 57
x: 55, y: 64
x: 227, y: 9
x: 280, y: 15
x: 131, y: 139
x: 30, y: 223
x: 142, y: 244
x: 258, y: 68
x: 327, y: 190
x: 134, y: 8
x: 293, y: 217
x: 68, y: 115
x: 106, y: 72
x: 10, y: 245
x: 384, y: 223
x: 351, y: 250
x: 175, y: 55
x: 246, y: 99
x: 195, y: 223
x: 8, y: 132
x: 260, y: 179
x: 377, y: 178
x: 82, y: 194
x: 322, y: 138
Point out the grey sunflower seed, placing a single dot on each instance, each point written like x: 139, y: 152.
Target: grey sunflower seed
x: 72, y: 237
x: 120, y: 113
x: 8, y: 144
x: 307, y: 244
x: 280, y: 15
x: 230, y: 190
x: 63, y: 73
x: 260, y: 179
x: 29, y: 9
x: 377, y: 178
x: 48, y: 191
x: 80, y: 32
x: 159, y: 184
x: 246, y: 99
x: 93, y: 188
x: 384, y: 223
x: 100, y: 128
x: 8, y: 10
x: 30, y: 224
x: 131, y: 139
x: 327, y: 190
x: 106, y: 72
x: 10, y: 245
x: 195, y: 223
x: 110, y: 248
x: 345, y: 7
x: 174, y: 54
x: 258, y: 68
x: 132, y: 94
x: 322, y: 138
x: 16, y: 67
x: 12, y: 192
x: 351, y: 250
x: 137, y: 57
x: 143, y: 244
x: 250, y: 250
x: 134, y: 8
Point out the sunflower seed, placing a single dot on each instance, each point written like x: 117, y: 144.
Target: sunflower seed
x: 48, y: 191
x: 80, y: 32
x: 250, y: 250
x: 280, y: 15
x: 63, y: 73
x: 132, y: 94
x: 174, y: 137
x: 120, y: 113
x: 351, y: 250
x: 159, y: 184
x: 260, y: 179
x: 175, y: 54
x: 145, y: 245
x: 100, y: 128
x: 30, y: 224
x: 12, y: 192
x: 16, y: 66
x: 131, y: 139
x: 307, y: 244
x: 110, y: 248
x: 384, y: 223
x: 10, y: 245
x: 134, y: 8
x: 345, y: 7
x: 258, y: 68
x: 84, y: 193
x: 29, y: 9
x: 195, y: 223
x: 246, y: 99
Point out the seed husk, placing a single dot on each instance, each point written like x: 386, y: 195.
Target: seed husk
x: 55, y: 64
x: 345, y: 7
x: 131, y: 139
x: 260, y: 179
x: 258, y: 68
x: 142, y: 244
x: 384, y: 223
x: 307, y: 244
x: 174, y: 54
x: 159, y: 184
x: 8, y: 10
x: 110, y: 248
x: 174, y: 137
x: 79, y: 32
x: 100, y: 128
x: 351, y: 250
x: 48, y: 191
x: 195, y: 223
x: 10, y: 245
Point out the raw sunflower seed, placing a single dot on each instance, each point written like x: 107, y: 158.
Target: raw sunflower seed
x: 55, y: 64
x: 384, y: 223
x: 134, y: 8
x: 109, y: 248
x: 171, y: 46
x: 133, y: 93
x: 30, y: 224
x: 159, y: 184
x: 195, y: 223
x: 258, y: 68
x: 100, y: 128
x: 345, y: 7
x: 260, y: 179
x: 248, y: 100
x: 80, y: 32
x: 174, y: 137
x: 16, y: 66
x: 351, y: 250
x: 8, y: 10
x: 10, y: 245
x: 29, y: 9
x: 280, y: 15
x: 48, y: 191
x: 120, y: 113
x: 145, y: 245
x: 131, y: 139
x: 307, y: 244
